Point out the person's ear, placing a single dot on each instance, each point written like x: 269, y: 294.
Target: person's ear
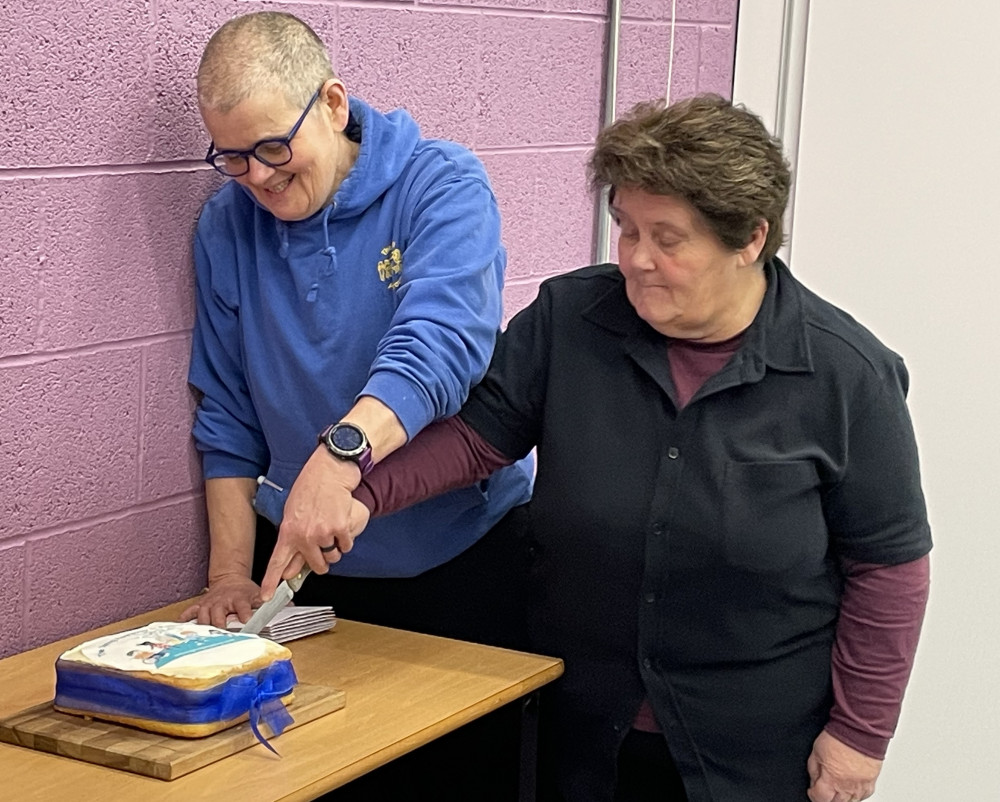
x: 333, y: 96
x: 751, y: 252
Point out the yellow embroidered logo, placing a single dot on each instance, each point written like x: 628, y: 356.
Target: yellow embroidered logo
x: 391, y: 266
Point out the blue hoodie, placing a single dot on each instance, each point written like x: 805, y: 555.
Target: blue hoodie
x: 392, y: 290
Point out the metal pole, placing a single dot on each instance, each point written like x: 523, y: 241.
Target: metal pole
x: 602, y: 244
x: 791, y: 77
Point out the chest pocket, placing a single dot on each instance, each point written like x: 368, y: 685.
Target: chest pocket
x: 773, y: 516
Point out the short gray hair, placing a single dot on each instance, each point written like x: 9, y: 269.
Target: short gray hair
x: 266, y: 50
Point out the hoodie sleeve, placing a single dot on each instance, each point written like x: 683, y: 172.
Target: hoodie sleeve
x: 226, y: 429
x: 450, y: 291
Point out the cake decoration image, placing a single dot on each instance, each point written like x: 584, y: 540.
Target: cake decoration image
x: 165, y: 644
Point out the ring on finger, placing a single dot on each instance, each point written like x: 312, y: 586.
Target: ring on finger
x: 328, y: 549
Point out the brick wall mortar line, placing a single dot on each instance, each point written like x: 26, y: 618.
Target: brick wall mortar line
x: 42, y: 357
x: 86, y: 170
x: 62, y: 528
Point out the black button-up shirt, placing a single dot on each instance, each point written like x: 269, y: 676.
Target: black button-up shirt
x: 692, y: 556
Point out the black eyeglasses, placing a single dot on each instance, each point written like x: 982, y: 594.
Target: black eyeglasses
x: 272, y: 152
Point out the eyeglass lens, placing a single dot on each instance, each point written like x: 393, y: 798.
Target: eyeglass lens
x: 273, y: 153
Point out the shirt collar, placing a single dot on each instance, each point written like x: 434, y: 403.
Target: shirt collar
x: 778, y: 335
x: 777, y: 338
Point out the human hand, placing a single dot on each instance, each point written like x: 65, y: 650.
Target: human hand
x: 225, y: 596
x: 839, y: 773
x: 321, y: 520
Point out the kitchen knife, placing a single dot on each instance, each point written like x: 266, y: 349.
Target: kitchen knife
x: 269, y: 609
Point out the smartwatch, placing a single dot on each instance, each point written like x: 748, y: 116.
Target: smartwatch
x: 347, y: 441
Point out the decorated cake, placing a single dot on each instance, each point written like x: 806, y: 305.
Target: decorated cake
x: 186, y: 680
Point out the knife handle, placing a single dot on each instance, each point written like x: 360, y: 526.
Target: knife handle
x: 296, y: 581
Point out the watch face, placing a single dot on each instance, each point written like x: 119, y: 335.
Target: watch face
x: 347, y: 438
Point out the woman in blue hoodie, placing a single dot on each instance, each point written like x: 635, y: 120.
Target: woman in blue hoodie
x: 349, y: 292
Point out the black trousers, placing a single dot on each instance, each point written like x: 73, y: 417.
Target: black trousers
x: 480, y: 596
x: 646, y: 772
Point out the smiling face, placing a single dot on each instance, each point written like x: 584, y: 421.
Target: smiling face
x: 679, y: 277
x: 321, y: 153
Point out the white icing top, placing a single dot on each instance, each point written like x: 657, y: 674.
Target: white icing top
x: 174, y: 650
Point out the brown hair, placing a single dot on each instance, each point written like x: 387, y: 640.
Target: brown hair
x: 266, y: 50
x: 717, y: 156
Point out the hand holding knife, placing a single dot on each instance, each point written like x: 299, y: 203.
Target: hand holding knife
x: 269, y: 609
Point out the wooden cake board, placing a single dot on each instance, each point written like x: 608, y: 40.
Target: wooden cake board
x: 152, y: 754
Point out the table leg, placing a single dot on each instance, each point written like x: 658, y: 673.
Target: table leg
x: 529, y: 748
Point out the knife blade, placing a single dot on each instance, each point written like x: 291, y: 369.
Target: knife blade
x: 269, y: 609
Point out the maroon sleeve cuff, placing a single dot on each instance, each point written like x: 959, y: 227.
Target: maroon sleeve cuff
x: 867, y: 744
x: 881, y: 613
x: 364, y: 494
x: 446, y: 455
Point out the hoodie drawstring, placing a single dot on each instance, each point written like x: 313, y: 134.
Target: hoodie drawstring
x: 329, y: 251
x: 282, y: 228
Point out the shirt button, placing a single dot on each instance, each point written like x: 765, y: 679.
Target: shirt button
x: 650, y: 598
x: 673, y: 453
x: 647, y: 663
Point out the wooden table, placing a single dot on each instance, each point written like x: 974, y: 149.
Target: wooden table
x: 403, y: 690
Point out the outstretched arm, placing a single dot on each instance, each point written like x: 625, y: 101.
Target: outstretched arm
x: 321, y: 519
x: 444, y: 456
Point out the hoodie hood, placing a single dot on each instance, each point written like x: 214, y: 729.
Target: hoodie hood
x: 387, y: 145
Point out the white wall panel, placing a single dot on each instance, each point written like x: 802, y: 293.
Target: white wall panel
x: 896, y: 215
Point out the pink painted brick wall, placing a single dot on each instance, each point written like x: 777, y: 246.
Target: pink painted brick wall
x: 101, y: 514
